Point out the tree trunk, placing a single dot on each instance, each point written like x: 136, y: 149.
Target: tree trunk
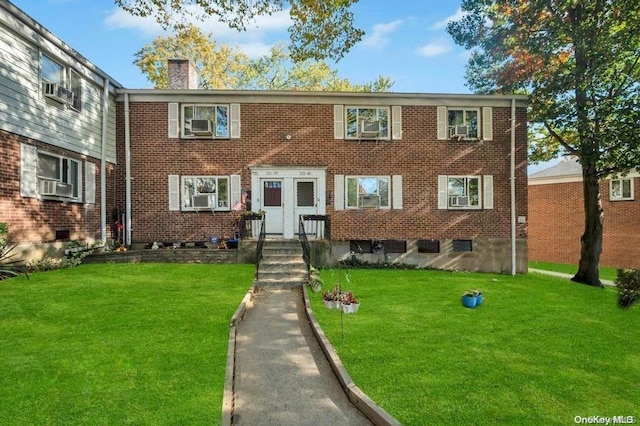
x: 591, y: 240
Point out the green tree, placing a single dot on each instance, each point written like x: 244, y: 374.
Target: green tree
x: 223, y: 67
x: 579, y: 62
x: 320, y: 29
x: 218, y: 65
x: 277, y: 71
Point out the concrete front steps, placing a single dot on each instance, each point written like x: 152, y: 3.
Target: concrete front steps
x: 282, y: 265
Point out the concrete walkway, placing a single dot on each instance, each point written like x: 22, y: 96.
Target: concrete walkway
x: 282, y: 376
x: 607, y: 283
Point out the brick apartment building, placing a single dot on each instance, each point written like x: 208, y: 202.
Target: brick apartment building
x: 430, y: 179
x: 556, y: 216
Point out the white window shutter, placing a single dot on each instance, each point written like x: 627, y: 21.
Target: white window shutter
x: 396, y: 194
x: 443, y: 128
x: 338, y: 192
x: 28, y: 170
x: 488, y: 191
x: 443, y: 197
x: 89, y: 182
x: 396, y: 122
x: 487, y: 123
x: 174, y: 128
x: 174, y: 192
x: 234, y: 119
x: 235, y: 191
x: 338, y: 121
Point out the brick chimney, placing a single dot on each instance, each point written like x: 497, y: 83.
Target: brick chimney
x: 181, y: 74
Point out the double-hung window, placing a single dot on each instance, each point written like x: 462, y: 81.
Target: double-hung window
x: 367, y: 122
x: 463, y: 123
x: 463, y: 192
x: 205, y: 192
x: 61, y: 83
x: 621, y: 189
x: 367, y: 192
x: 205, y: 121
x: 58, y: 176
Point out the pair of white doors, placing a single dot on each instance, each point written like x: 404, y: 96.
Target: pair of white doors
x: 283, y: 200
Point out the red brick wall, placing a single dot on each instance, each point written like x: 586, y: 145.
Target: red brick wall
x: 419, y: 157
x: 35, y: 221
x: 556, y: 223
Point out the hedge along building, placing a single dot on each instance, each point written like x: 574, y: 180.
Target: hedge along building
x: 432, y: 180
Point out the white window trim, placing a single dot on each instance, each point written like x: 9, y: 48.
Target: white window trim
x: 621, y: 198
x: 485, y: 192
x: 230, y: 123
x: 358, y: 207
x: 377, y: 107
x: 67, y: 73
x: 77, y: 184
x: 229, y: 200
x: 464, y: 110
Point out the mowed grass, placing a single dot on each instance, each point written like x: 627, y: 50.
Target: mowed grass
x: 605, y: 273
x: 117, y: 344
x: 540, y: 350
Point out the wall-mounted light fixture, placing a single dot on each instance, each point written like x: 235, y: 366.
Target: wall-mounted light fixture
x: 286, y: 137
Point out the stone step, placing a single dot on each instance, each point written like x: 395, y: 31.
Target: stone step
x: 287, y: 283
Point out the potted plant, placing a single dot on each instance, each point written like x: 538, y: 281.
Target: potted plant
x: 350, y: 304
x: 471, y: 298
x: 315, y: 282
x: 332, y: 298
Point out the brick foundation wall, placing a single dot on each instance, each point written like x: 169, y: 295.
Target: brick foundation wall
x: 34, y: 222
x: 419, y: 157
x: 556, y: 223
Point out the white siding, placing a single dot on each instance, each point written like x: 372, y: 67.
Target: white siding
x: 29, y: 114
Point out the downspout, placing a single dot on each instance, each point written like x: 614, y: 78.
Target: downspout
x: 127, y: 164
x: 103, y: 164
x: 512, y: 177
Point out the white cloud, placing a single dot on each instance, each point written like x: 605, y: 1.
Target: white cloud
x: 435, y: 48
x: 379, y: 35
x: 443, y: 23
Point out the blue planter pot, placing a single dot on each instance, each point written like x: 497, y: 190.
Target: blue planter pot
x: 479, y: 301
x: 469, y: 301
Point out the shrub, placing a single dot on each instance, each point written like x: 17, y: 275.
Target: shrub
x: 9, y: 267
x: 628, y: 286
x: 76, y: 252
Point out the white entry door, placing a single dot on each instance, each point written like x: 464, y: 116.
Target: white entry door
x: 305, y: 202
x: 273, y: 206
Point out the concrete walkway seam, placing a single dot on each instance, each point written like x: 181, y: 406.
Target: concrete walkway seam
x: 228, y: 393
x: 359, y: 399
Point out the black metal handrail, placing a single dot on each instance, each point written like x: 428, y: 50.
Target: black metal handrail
x: 259, y: 246
x: 306, y: 250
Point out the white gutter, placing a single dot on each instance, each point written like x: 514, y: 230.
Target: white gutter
x: 103, y: 163
x: 127, y: 165
x: 512, y: 177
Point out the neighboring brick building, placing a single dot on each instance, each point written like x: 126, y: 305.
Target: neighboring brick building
x: 57, y: 139
x: 556, y: 217
x: 415, y: 178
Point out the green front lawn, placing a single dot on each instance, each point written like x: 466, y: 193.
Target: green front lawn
x: 540, y: 350
x: 117, y: 344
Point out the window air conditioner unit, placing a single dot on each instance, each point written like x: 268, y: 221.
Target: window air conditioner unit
x: 369, y: 201
x: 369, y: 129
x: 459, y: 131
x: 460, y: 201
x: 56, y: 189
x: 201, y: 127
x: 58, y: 93
x: 203, y: 201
